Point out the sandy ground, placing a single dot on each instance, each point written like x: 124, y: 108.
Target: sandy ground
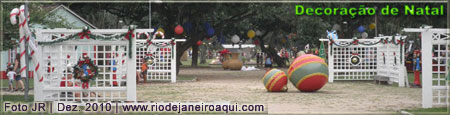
x: 245, y: 87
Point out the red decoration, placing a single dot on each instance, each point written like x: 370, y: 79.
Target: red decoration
x: 127, y: 36
x: 224, y: 51
x: 85, y: 85
x: 208, y: 39
x: 84, y: 34
x: 256, y: 42
x: 199, y: 42
x: 355, y: 42
x: 179, y: 30
x: 68, y: 56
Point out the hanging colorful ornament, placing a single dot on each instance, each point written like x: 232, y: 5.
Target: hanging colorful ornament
x: 361, y: 29
x: 251, y: 34
x: 179, y: 29
x: 372, y: 26
x: 210, y: 32
x: 235, y: 39
x: 160, y: 30
x: 188, y: 27
x: 364, y: 35
x: 283, y: 40
x: 199, y: 42
x: 256, y: 42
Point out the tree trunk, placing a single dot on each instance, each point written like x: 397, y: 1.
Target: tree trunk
x: 194, y: 56
x: 271, y: 51
x: 203, y: 55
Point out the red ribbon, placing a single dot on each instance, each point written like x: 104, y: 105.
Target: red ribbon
x: 85, y: 85
x: 127, y: 36
x: 172, y: 42
x: 84, y: 34
x: 355, y: 42
x: 149, y: 42
x: 400, y: 41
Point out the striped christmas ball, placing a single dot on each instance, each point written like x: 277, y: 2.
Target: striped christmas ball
x: 308, y: 73
x: 275, y: 80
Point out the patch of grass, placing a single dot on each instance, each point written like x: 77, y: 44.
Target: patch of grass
x: 4, y: 83
x: 17, y: 98
x: 185, y: 78
x: 442, y: 110
x: 189, y: 62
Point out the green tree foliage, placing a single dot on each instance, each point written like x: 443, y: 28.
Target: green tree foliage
x: 275, y: 20
x: 38, y: 15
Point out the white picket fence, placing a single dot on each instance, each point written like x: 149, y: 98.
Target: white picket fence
x: 103, y: 53
x: 164, y: 58
x: 435, y: 66
x: 376, y: 59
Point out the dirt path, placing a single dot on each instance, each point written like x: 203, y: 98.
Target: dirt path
x: 245, y: 87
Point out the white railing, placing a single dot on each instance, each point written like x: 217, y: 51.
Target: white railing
x: 371, y: 63
x: 435, y: 60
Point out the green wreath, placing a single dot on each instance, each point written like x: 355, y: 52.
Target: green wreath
x: 79, y: 70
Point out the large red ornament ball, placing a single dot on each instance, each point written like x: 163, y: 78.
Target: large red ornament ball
x: 308, y: 73
x: 199, y: 42
x: 179, y: 29
x: 275, y: 80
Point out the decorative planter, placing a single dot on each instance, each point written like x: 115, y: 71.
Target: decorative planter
x: 235, y: 63
x: 225, y: 62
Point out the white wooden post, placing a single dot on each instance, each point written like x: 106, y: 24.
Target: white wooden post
x: 330, y: 64
x: 131, y: 71
x: 173, y: 64
x: 427, y: 68
x: 401, y: 65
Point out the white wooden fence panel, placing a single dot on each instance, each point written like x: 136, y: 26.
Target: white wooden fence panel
x: 435, y: 61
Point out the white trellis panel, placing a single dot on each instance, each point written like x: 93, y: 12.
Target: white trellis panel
x: 391, y: 60
x: 340, y: 67
x: 164, y: 55
x: 103, y: 53
x: 435, y: 57
x: 371, y: 60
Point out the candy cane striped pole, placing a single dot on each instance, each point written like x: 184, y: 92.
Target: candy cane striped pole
x: 25, y: 34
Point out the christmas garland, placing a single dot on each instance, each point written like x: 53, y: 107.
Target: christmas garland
x: 382, y: 40
x: 357, y: 42
x: 85, y: 66
x: 86, y: 34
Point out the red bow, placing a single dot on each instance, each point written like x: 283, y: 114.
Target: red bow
x: 355, y: 42
x: 85, y: 85
x: 127, y: 36
x: 400, y: 41
x: 149, y: 42
x: 172, y: 42
x: 331, y: 42
x: 84, y: 34
x: 385, y: 41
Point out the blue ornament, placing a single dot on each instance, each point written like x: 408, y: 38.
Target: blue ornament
x: 188, y: 27
x: 207, y: 25
x: 154, y: 29
x: 361, y: 29
x: 210, y: 32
